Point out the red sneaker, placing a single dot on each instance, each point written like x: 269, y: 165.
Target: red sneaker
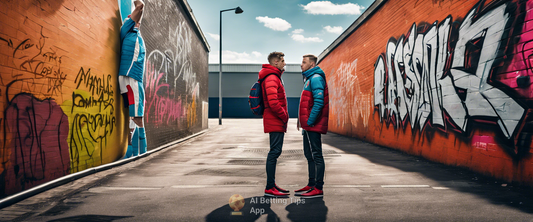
x: 281, y: 189
x: 273, y: 192
x: 303, y: 190
x: 315, y: 192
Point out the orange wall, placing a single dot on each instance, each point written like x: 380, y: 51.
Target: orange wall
x: 439, y: 79
x: 61, y: 111
x: 59, y: 94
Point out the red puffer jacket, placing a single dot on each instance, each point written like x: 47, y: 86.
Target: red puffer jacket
x: 275, y: 116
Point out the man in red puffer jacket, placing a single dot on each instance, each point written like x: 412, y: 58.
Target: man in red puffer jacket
x: 275, y: 117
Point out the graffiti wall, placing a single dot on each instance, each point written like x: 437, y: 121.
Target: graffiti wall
x: 176, y: 74
x: 446, y: 80
x: 60, y: 107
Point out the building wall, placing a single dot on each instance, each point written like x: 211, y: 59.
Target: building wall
x: 439, y: 79
x: 176, y: 75
x: 60, y: 107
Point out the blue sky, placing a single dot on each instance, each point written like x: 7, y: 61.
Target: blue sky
x: 294, y: 27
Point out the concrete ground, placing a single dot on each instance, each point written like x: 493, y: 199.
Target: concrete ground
x: 193, y: 181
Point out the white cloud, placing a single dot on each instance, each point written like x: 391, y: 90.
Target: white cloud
x: 298, y: 31
x: 328, y: 8
x: 334, y: 29
x: 236, y: 57
x: 256, y: 54
x: 214, y: 36
x: 301, y: 38
x: 297, y: 36
x: 275, y: 24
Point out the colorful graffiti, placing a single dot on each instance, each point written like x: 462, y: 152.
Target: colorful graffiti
x: 176, y: 75
x: 34, y: 136
x: 450, y: 85
x: 161, y: 109
x: 166, y: 103
x: 58, y: 116
x: 93, y: 119
x: 60, y: 107
x: 421, y: 78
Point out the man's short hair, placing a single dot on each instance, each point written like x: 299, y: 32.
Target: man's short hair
x: 311, y: 57
x: 275, y: 55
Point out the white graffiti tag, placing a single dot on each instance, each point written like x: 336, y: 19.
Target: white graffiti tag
x: 176, y: 62
x: 346, y: 83
x: 417, y: 78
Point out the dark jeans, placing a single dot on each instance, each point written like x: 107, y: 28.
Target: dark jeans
x: 276, y: 143
x: 315, y: 160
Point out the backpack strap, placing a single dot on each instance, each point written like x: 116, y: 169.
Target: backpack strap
x: 263, y: 79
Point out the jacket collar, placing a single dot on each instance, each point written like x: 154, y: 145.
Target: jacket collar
x: 268, y: 69
x: 314, y: 70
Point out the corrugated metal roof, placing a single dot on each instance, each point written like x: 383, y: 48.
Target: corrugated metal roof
x: 249, y: 67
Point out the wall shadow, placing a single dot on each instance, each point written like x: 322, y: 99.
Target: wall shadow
x: 496, y: 191
x: 50, y: 7
x: 113, y: 36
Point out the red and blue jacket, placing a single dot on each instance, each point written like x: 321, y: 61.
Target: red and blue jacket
x: 314, y: 102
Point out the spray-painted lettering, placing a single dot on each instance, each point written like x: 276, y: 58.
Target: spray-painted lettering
x: 167, y: 72
x: 421, y: 77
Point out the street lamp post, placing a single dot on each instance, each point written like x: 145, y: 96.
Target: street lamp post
x: 238, y: 10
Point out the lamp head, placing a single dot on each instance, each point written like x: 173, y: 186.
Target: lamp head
x: 238, y: 10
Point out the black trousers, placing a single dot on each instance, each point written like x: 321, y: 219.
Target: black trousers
x: 315, y: 160
x: 276, y: 144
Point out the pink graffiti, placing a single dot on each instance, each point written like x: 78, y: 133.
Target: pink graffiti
x: 162, y: 106
x: 486, y: 143
x: 521, y: 63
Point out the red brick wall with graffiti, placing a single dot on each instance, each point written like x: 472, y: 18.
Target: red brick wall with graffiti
x: 59, y: 103
x: 446, y: 80
x: 175, y: 80
x: 60, y: 107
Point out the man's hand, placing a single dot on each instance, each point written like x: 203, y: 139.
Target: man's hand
x: 138, y: 3
x: 137, y: 13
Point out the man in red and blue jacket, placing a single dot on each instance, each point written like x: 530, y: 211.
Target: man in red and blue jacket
x: 313, y: 118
